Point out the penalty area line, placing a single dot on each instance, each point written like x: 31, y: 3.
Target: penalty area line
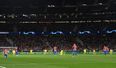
x: 2, y: 67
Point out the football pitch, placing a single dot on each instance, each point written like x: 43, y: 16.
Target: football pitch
x: 57, y: 61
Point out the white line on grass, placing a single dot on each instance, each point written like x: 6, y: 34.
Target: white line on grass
x: 2, y: 67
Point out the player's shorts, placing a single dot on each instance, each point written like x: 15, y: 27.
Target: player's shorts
x: 16, y: 53
x: 74, y: 50
x: 55, y: 52
x: 5, y: 55
x: 105, y: 52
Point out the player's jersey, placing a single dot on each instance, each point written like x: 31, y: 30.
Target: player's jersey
x: 13, y: 51
x: 55, y: 48
x: 61, y: 52
x: 31, y: 51
x: 105, y: 48
x: 45, y: 50
x: 85, y: 50
x: 5, y: 51
x: 111, y: 50
x: 94, y: 51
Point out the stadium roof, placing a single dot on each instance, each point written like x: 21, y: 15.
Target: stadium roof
x: 54, y: 3
x: 64, y: 11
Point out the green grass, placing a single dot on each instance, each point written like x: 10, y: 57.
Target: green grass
x: 52, y: 61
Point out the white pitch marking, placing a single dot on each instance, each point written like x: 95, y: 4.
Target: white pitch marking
x: 2, y: 67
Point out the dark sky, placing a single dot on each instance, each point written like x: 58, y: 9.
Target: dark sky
x: 22, y: 2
